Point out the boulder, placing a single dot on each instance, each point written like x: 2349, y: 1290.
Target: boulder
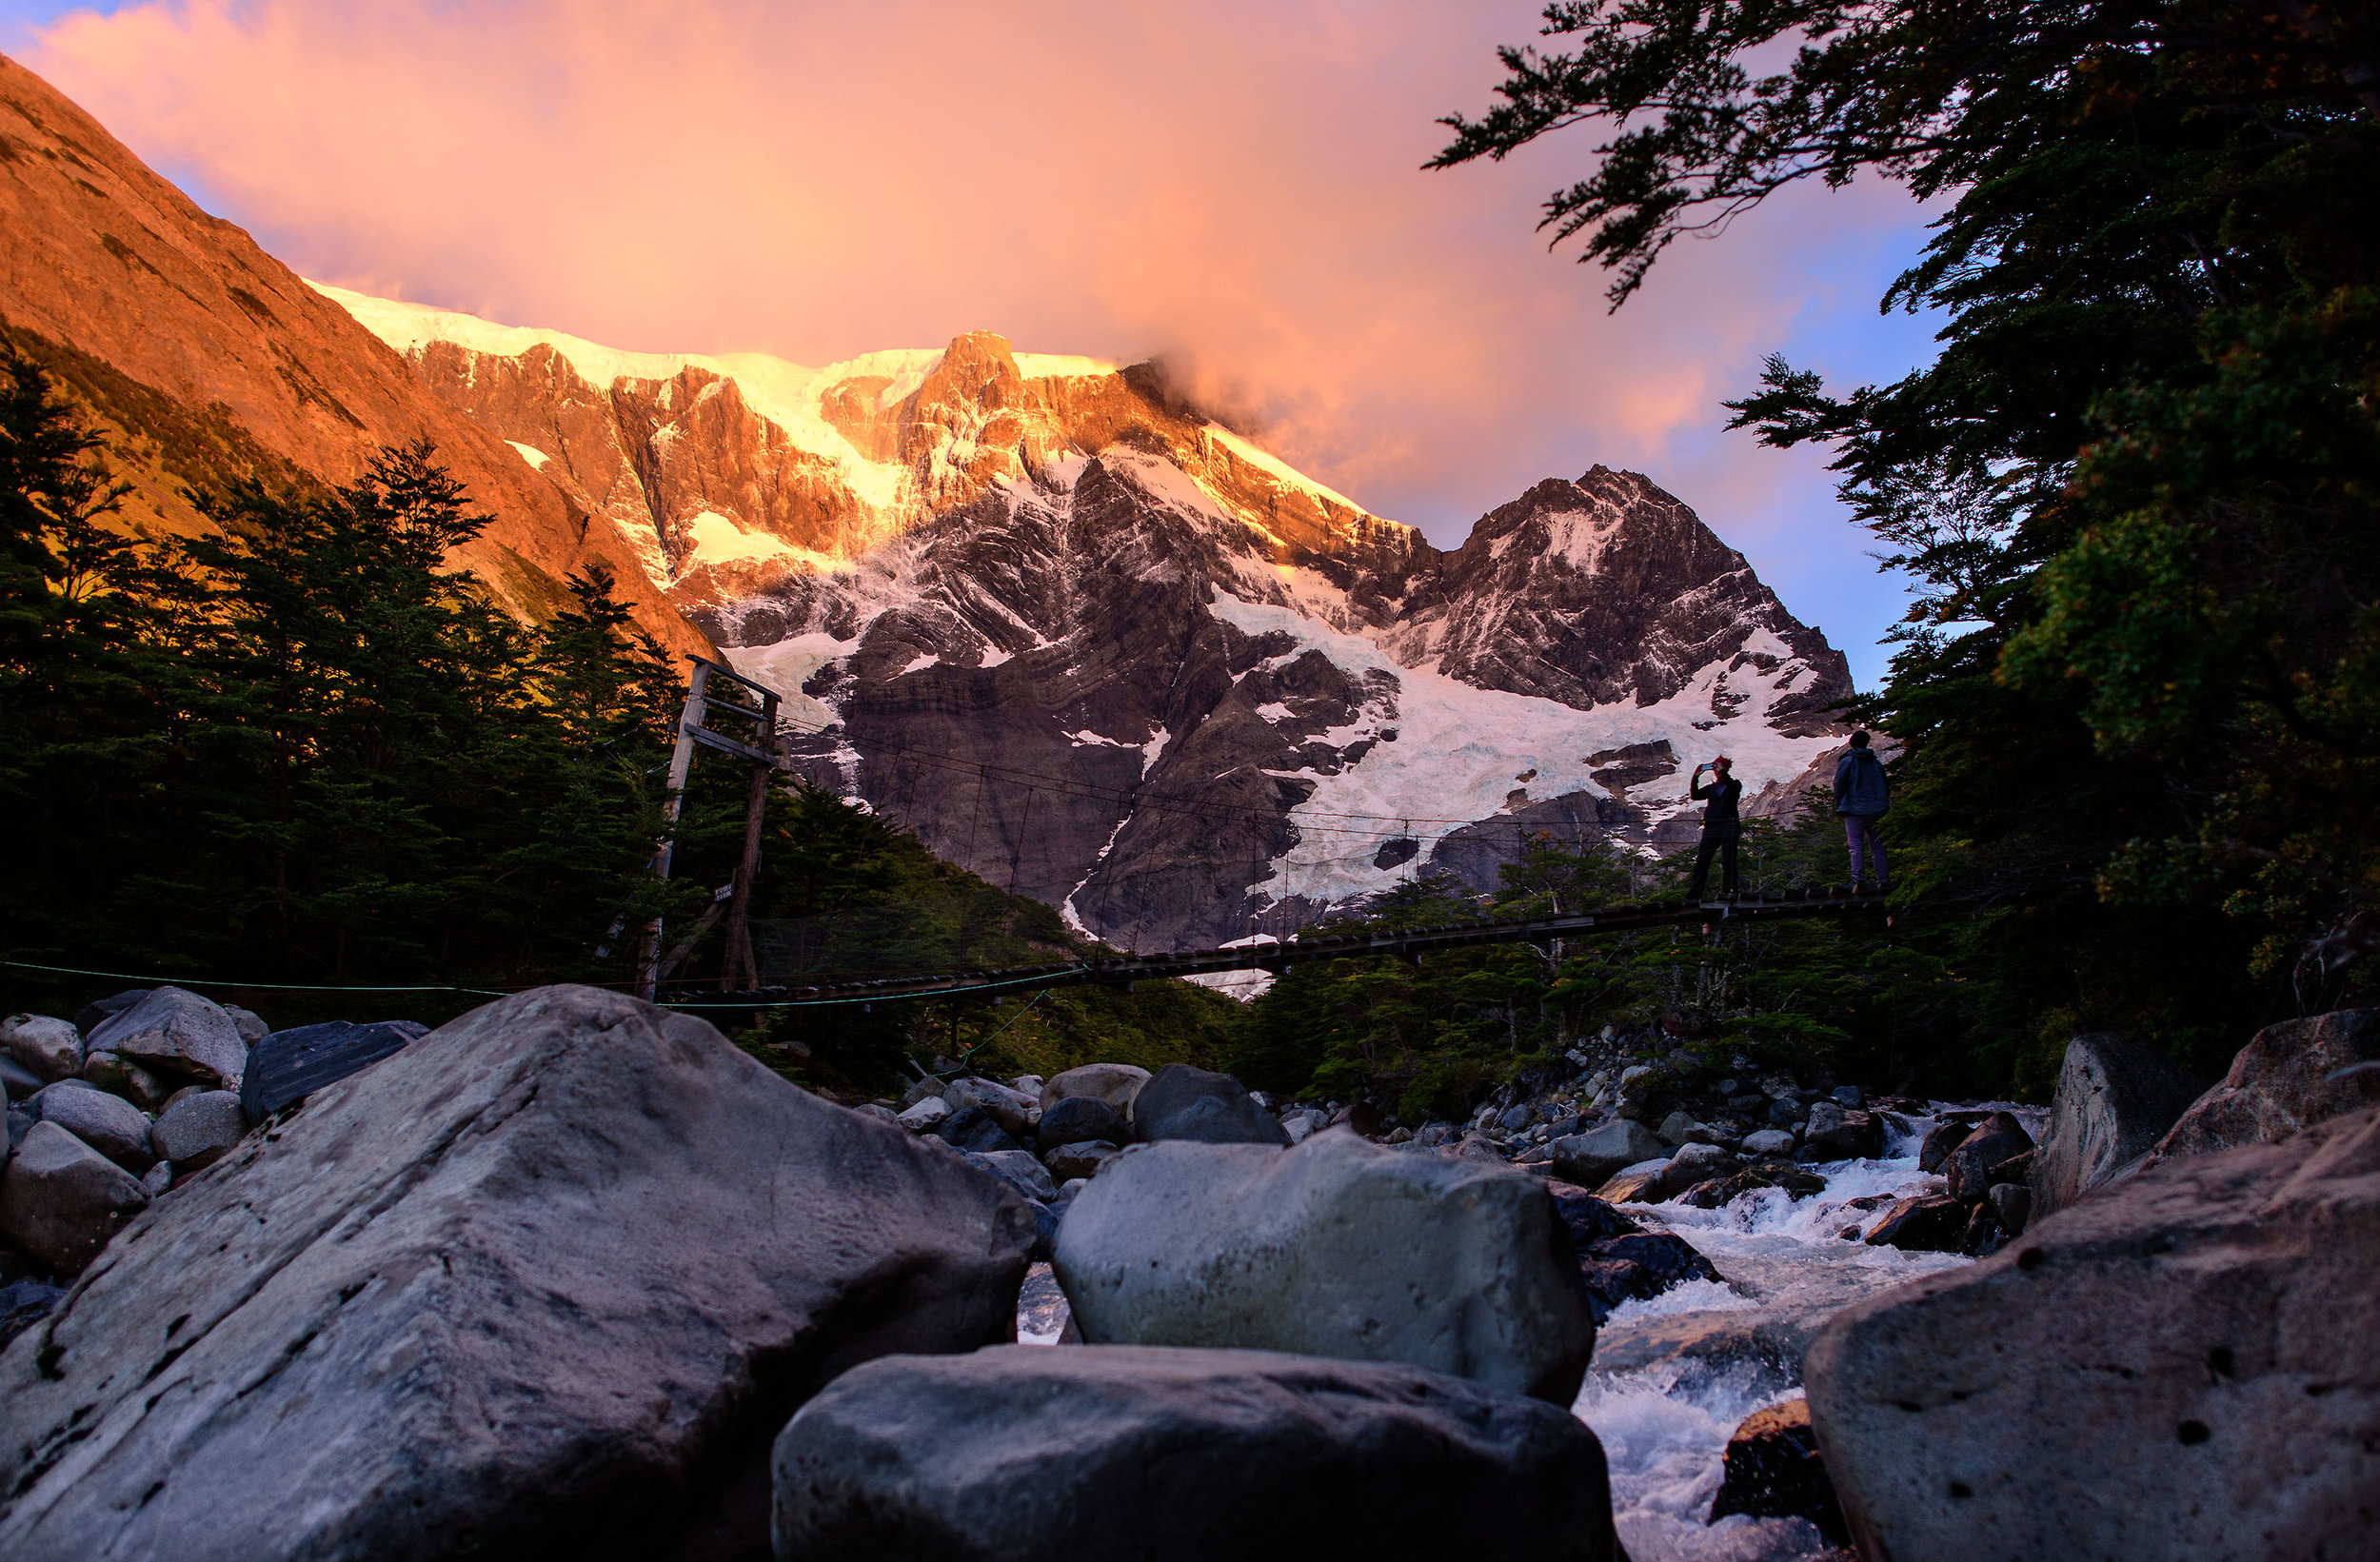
x: 1115, y: 1083
x: 90, y: 1016
x: 1943, y: 1138
x: 2281, y: 1083
x: 1021, y: 1453
x: 1337, y: 1248
x: 1591, y: 1158
x: 2013, y: 1203
x: 1012, y: 1110
x: 16, y: 1080
x: 1619, y: 1259
x: 1842, y: 1133
x: 924, y: 1116
x: 146, y: 1090
x: 51, y: 1048
x: 1643, y: 1183
x: 1698, y: 1162
x: 1999, y: 1138
x: 1080, y: 1120
x: 287, y: 1066
x: 249, y: 1023
x: 198, y: 1130
x: 109, y: 1124
x: 545, y: 1282
x: 158, y: 1181
x: 1769, y: 1141
x: 1020, y: 1169
x: 1183, y: 1103
x: 1069, y: 1161
x: 2115, y: 1098
x: 61, y: 1201
x: 170, y: 1031
x: 1771, y: 1470
x: 1850, y: 1097
x: 1928, y: 1223
x: 2197, y: 1374
x: 1029, y: 1086
x: 107, y: 1071
x: 972, y: 1128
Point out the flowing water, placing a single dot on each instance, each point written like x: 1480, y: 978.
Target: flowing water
x: 1673, y: 1377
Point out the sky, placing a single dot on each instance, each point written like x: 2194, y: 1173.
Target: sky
x: 1236, y: 185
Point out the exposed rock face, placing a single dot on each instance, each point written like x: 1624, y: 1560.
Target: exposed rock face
x: 1024, y: 1453
x: 209, y: 361
x: 1187, y: 667
x: 2205, y: 1332
x: 2282, y: 1082
x: 2115, y: 1098
x: 548, y: 1279
x: 1335, y: 1248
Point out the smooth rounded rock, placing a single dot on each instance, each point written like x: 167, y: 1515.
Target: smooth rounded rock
x: 199, y: 1130
x: 1591, y: 1158
x: 62, y: 1201
x: 924, y: 1116
x: 1181, y: 1103
x: 1022, y: 1453
x: 1080, y: 1120
x: 1769, y: 1142
x: 109, y: 1124
x: 1337, y: 1248
x: 51, y: 1048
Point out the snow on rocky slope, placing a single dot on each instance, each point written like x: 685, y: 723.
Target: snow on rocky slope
x: 1104, y: 650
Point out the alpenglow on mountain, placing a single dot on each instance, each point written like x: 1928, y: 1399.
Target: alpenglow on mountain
x: 1100, y: 649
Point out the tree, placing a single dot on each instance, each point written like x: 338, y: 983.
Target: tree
x: 2135, y: 490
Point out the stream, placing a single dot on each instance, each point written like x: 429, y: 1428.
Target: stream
x: 1673, y: 1377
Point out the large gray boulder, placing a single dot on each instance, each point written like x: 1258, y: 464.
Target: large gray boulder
x: 170, y: 1031
x: 545, y: 1282
x: 198, y: 1130
x: 1183, y: 1103
x: 1080, y: 1120
x: 109, y: 1124
x: 1591, y: 1158
x: 2114, y: 1099
x: 51, y: 1048
x: 2281, y: 1083
x: 1020, y: 1454
x: 1115, y: 1083
x: 1336, y: 1248
x: 2183, y: 1366
x: 61, y: 1201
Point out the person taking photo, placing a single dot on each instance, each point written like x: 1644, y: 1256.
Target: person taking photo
x: 1722, y: 824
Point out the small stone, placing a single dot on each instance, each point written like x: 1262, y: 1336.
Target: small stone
x: 200, y: 1130
x: 1773, y: 1470
x: 1516, y: 1118
x: 108, y: 1123
x: 1638, y: 1184
x: 1940, y: 1141
x: 249, y: 1023
x: 107, y: 1071
x: 1676, y: 1129
x: 49, y: 1047
x: 1020, y: 1170
x: 1027, y: 1084
x: 62, y: 1200
x: 1005, y: 1106
x: 158, y: 1178
x: 924, y: 1115
x: 146, y: 1089
x: 1073, y: 1162
x: 1769, y: 1141
x: 2013, y: 1203
x: 1850, y: 1097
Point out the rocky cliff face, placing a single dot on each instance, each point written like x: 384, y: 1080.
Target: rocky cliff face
x: 1109, y: 653
x: 205, y: 360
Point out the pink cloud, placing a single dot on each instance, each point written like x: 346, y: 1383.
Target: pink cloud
x: 1236, y: 185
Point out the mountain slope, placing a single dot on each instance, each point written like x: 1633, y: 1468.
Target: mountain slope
x: 1105, y: 651
x: 205, y: 360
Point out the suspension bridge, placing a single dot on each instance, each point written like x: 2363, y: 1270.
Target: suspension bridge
x: 1274, y: 956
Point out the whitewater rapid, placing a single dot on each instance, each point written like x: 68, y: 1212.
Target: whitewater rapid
x: 1673, y: 1377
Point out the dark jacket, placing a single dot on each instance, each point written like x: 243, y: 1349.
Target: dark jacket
x: 1719, y: 818
x: 1859, y: 784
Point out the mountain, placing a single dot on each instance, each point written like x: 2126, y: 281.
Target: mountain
x: 1104, y: 650
x: 1090, y: 641
x: 205, y: 360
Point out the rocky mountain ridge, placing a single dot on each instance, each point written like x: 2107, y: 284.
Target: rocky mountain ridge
x: 1105, y: 651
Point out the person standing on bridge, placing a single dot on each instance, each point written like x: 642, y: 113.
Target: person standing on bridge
x: 1722, y: 824
x: 1862, y: 796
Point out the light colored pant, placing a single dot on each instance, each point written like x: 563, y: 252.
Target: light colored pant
x: 1859, y: 829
